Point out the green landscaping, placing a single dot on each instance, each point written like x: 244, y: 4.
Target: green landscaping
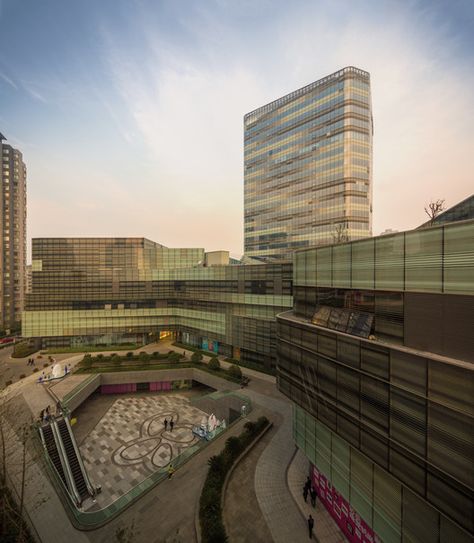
x: 193, y: 349
x: 251, y: 366
x: 23, y: 349
x: 93, y: 348
x: 210, y: 504
x: 155, y: 361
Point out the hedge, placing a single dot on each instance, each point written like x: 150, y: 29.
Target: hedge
x: 210, y: 509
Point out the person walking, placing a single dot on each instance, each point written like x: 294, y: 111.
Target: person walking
x: 313, y: 496
x: 305, y: 493
x: 310, y: 526
x: 308, y: 482
x: 171, y: 425
x: 166, y: 424
x: 171, y: 470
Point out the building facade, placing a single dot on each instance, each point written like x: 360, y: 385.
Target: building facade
x: 13, y: 238
x: 308, y: 167
x: 378, y: 358
x: 121, y: 290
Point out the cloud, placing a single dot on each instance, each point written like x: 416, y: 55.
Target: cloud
x: 34, y: 92
x: 4, y: 76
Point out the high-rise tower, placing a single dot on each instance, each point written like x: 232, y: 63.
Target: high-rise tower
x: 308, y: 167
x: 13, y: 237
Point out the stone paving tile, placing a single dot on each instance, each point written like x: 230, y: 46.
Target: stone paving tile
x: 130, y: 442
x: 325, y: 529
x: 278, y: 507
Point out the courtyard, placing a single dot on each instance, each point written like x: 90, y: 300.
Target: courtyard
x: 129, y: 442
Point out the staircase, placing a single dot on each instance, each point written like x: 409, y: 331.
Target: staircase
x: 72, y: 459
x: 53, y: 451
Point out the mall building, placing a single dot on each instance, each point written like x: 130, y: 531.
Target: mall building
x: 107, y: 291
x: 377, y: 356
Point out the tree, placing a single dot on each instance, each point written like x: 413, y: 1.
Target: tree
x: 235, y: 371
x: 196, y: 358
x: 214, y: 364
x: 17, y: 455
x: 433, y: 209
x: 340, y: 233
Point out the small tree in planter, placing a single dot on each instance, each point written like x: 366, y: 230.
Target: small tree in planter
x: 196, y: 358
x: 144, y: 357
x: 129, y: 355
x: 116, y: 359
x: 214, y: 364
x: 235, y: 371
x: 174, y: 357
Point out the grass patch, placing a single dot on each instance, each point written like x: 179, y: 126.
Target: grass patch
x: 210, y: 503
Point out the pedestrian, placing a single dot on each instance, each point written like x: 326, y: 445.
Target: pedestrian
x: 305, y: 493
x: 171, y: 425
x: 166, y: 424
x: 42, y: 415
x: 308, y: 483
x: 171, y: 470
x: 310, y: 526
x: 313, y: 496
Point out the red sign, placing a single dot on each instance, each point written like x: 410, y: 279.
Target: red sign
x: 349, y: 521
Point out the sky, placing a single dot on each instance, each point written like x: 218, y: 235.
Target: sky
x: 129, y: 113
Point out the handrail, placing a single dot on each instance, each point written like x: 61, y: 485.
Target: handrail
x: 71, y: 394
x: 89, y: 486
x: 65, y: 463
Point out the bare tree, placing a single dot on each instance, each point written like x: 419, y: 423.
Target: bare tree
x: 340, y: 233
x: 433, y: 209
x: 17, y: 455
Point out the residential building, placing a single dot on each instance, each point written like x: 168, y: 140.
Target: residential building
x: 13, y: 237
x: 308, y: 167
x: 124, y: 290
x: 378, y: 358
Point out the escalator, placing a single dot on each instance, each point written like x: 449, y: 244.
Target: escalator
x: 50, y: 444
x: 77, y: 470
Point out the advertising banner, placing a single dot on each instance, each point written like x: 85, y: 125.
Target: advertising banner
x: 349, y: 521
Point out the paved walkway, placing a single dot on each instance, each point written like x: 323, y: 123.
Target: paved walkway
x: 325, y: 529
x: 278, y: 507
x: 155, y: 514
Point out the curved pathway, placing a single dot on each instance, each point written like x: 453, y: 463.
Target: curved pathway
x: 281, y: 514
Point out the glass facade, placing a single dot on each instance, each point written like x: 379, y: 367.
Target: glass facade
x: 114, y: 289
x: 308, y: 167
x: 13, y: 236
x: 386, y: 419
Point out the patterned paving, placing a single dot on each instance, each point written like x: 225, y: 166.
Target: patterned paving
x: 130, y: 441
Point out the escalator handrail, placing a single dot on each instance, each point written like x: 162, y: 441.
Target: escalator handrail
x: 71, y: 484
x: 89, y: 486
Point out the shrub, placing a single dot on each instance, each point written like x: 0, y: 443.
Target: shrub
x: 235, y: 371
x: 100, y: 357
x: 233, y: 446
x: 129, y: 355
x: 210, y: 512
x: 214, y: 364
x: 196, y: 358
x: 116, y: 359
x: 8, y: 383
x: 22, y: 376
x: 174, y: 357
x: 250, y: 426
x: 45, y: 365
x: 143, y: 356
x: 35, y: 370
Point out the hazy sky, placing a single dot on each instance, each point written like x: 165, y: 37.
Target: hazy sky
x: 129, y: 113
